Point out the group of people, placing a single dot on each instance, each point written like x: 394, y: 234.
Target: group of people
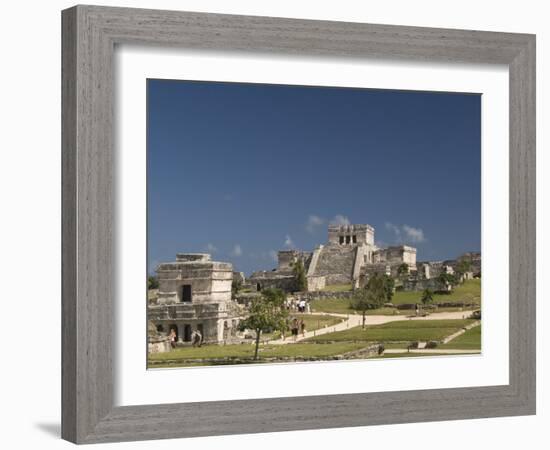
x: 196, y: 338
x: 297, y: 326
x: 301, y: 306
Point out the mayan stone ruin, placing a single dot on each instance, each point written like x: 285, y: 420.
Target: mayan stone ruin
x: 194, y: 295
x: 349, y: 256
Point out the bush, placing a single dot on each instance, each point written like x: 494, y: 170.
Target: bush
x: 413, y: 345
x: 152, y: 282
x: 476, y: 315
x: 431, y: 344
x: 381, y: 349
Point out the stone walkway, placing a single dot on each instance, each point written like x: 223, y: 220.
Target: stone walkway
x: 354, y: 320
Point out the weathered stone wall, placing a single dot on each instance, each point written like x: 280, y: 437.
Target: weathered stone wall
x: 315, y: 283
x: 156, y: 342
x: 210, y: 281
x: 312, y: 266
x: 287, y: 259
x: 211, y: 309
x: 395, y: 255
x: 275, y: 279
x: 351, y: 234
x: 416, y: 284
x: 336, y: 264
x: 239, y: 277
x: 315, y: 295
x: 216, y: 322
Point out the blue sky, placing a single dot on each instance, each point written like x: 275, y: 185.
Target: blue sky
x: 243, y: 170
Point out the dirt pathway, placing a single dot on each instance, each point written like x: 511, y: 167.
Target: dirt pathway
x: 354, y: 320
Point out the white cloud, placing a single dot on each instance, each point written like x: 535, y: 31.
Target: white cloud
x: 211, y: 248
x: 394, y: 229
x: 406, y: 233
x: 289, y: 242
x: 313, y: 222
x: 237, y: 250
x: 339, y: 219
x: 414, y: 234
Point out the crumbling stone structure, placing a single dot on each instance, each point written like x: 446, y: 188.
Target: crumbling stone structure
x: 195, y: 295
x: 349, y: 254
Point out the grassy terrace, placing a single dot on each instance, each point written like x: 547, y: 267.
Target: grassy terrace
x: 400, y: 331
x: 224, y: 354
x: 468, y: 292
x: 341, y: 306
x: 471, y: 339
x: 337, y: 287
x: 312, y: 322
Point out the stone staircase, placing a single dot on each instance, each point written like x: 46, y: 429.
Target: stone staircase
x: 336, y: 263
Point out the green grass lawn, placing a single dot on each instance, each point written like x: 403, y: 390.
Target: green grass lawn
x: 400, y: 331
x: 331, y: 305
x: 341, y: 306
x: 316, y: 321
x: 468, y: 292
x: 471, y: 339
x: 337, y: 287
x: 312, y: 322
x: 245, y: 352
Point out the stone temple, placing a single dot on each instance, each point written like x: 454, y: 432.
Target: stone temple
x: 349, y: 256
x: 195, y: 295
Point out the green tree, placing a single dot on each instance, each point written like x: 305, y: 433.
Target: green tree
x: 236, y: 286
x: 266, y: 313
x: 427, y: 296
x: 403, y: 269
x: 300, y: 276
x: 152, y: 282
x: 463, y: 266
x: 447, y: 278
x: 372, y: 296
x: 389, y: 286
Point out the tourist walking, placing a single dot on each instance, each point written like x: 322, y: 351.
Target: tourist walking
x: 173, y: 338
x: 294, y: 328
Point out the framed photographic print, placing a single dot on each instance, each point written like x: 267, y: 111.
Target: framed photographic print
x: 306, y: 210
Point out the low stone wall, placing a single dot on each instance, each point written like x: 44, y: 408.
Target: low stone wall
x: 316, y: 295
x: 366, y: 352
x: 159, y: 345
x: 437, y: 305
x: 369, y: 351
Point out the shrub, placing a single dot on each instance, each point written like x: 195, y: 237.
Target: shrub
x: 431, y: 344
x: 152, y: 282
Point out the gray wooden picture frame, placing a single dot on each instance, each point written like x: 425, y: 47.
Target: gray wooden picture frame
x: 90, y: 34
